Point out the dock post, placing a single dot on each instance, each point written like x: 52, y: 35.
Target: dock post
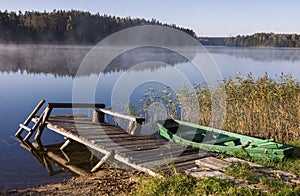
x: 134, y: 127
x: 98, y: 116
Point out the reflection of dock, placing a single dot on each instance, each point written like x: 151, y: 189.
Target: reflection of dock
x: 110, y: 143
x: 76, y: 160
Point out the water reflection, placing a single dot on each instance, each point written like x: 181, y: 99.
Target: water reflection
x: 75, y: 160
x: 259, y: 54
x: 61, y: 60
x: 64, y: 60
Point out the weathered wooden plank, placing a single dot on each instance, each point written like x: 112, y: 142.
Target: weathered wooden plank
x: 140, y: 145
x: 100, y: 131
x: 184, y: 158
x: 187, y: 165
x: 142, y: 168
x: 204, y: 173
x: 126, y: 140
x: 125, y: 146
x: 286, y: 176
x: 213, y: 163
x: 131, y: 151
x: 104, y: 137
x: 146, y: 157
x: 179, y: 166
x: 177, y: 158
x: 165, y: 149
x: 152, y: 159
x: 157, y: 163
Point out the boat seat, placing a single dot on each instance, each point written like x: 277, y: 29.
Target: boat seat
x: 223, y: 140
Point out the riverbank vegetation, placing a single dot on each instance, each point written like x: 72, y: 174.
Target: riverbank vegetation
x: 260, y: 107
x: 263, y: 107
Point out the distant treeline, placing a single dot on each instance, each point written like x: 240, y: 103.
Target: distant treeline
x: 256, y: 40
x: 66, y: 26
x: 265, y: 40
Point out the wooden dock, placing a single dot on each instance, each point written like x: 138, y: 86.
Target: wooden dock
x: 109, y: 142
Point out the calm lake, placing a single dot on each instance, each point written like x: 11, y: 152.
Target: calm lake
x: 29, y: 73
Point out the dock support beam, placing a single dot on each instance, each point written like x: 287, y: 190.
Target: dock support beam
x: 101, y: 162
x: 67, y: 142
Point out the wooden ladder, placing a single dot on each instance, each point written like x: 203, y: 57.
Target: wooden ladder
x: 25, y: 126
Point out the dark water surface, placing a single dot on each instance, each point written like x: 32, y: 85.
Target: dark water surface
x: 29, y: 73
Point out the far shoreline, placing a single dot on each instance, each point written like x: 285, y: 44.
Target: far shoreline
x: 90, y: 45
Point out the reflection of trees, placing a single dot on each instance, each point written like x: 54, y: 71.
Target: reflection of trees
x: 259, y: 54
x: 57, y: 60
x: 65, y: 60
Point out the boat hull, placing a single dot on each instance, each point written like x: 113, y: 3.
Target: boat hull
x: 217, y: 140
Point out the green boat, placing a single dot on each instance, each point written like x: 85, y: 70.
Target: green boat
x: 217, y: 140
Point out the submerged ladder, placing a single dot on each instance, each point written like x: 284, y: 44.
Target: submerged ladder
x: 25, y: 126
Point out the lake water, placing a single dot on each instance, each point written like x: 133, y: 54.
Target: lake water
x: 29, y: 73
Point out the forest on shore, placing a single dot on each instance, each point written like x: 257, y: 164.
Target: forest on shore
x: 58, y: 26
x: 80, y: 27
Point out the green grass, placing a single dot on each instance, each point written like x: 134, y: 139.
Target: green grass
x: 186, y: 185
x: 242, y: 171
x: 289, y: 164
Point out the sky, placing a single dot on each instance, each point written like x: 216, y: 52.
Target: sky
x: 205, y: 17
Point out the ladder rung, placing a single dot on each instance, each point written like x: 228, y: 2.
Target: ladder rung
x: 25, y: 127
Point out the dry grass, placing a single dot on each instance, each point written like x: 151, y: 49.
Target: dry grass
x: 262, y: 107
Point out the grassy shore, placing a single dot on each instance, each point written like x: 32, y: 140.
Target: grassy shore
x: 109, y: 181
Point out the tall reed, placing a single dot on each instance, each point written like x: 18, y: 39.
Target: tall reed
x: 262, y: 107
